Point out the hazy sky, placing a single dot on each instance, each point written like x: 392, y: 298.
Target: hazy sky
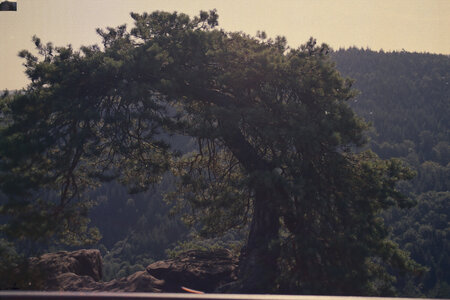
x: 412, y: 25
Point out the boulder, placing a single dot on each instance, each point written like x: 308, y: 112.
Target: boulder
x: 68, y: 270
x: 196, y: 269
x: 81, y: 262
x: 70, y: 282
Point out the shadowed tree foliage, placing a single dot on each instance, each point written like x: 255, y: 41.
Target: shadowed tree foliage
x: 71, y: 129
x: 275, y: 148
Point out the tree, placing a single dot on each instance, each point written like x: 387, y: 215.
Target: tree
x: 275, y: 145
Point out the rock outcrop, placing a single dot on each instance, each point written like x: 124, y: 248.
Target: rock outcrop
x: 200, y: 270
x: 67, y: 270
x: 82, y: 271
x: 81, y: 262
x: 138, y: 282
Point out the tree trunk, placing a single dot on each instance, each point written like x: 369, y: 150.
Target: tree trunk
x: 258, y: 263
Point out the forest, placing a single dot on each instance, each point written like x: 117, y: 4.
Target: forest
x: 176, y: 135
x: 406, y: 98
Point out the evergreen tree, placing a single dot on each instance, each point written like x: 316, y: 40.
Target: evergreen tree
x: 275, y: 148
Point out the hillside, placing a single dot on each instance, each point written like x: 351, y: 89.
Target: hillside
x: 406, y: 97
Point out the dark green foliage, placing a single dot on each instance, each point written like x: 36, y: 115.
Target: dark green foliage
x: 71, y: 129
x: 414, y: 88
x: 122, y: 260
x: 136, y: 229
x: 424, y: 232
x: 15, y: 271
x: 274, y: 138
x: 406, y: 96
x: 233, y: 240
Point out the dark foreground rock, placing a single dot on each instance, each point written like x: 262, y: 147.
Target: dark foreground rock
x: 81, y: 262
x: 82, y: 270
x: 200, y: 270
x: 138, y: 282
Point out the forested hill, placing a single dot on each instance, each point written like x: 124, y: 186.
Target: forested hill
x: 406, y: 97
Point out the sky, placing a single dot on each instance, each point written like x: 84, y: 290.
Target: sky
x: 391, y: 25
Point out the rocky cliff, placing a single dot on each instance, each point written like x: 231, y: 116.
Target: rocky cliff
x: 82, y: 271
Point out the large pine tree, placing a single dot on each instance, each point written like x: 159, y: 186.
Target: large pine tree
x: 276, y: 144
